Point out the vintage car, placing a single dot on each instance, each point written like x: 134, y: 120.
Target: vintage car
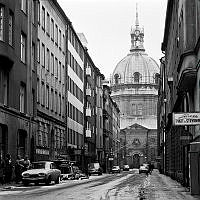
x: 115, y: 169
x: 41, y: 172
x: 94, y: 168
x: 126, y: 168
x: 144, y: 169
x: 65, y: 166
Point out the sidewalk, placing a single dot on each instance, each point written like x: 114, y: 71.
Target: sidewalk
x: 165, y: 188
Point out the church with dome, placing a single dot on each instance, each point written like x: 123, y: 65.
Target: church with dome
x: 134, y: 86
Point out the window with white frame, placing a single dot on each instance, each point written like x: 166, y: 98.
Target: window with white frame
x: 52, y: 100
x: 52, y: 29
x: 56, y: 34
x: 10, y: 29
x: 59, y: 71
x: 48, y: 23
x: 48, y: 59
x: 43, y: 18
x: 23, y: 47
x: 56, y: 67
x: 22, y: 98
x: 52, y: 64
x: 43, y: 56
x: 1, y: 22
x: 60, y: 38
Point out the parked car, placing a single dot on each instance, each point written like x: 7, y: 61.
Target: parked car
x: 94, y: 168
x: 126, y: 167
x: 115, y: 169
x: 41, y: 172
x: 144, y: 169
x: 81, y: 175
x: 65, y: 166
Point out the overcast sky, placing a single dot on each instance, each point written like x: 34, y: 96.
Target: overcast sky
x: 106, y: 25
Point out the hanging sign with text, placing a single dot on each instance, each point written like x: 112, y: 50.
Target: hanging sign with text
x: 184, y: 119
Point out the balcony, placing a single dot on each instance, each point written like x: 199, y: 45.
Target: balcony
x: 88, y: 71
x: 88, y: 133
x: 88, y: 112
x: 88, y: 92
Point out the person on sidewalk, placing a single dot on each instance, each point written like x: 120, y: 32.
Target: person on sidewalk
x: 26, y: 163
x: 18, y: 169
x: 8, y: 168
x: 1, y: 170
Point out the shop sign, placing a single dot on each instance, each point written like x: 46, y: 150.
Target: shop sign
x: 42, y: 151
x: 184, y: 119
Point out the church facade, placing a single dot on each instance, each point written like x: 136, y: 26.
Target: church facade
x: 134, y: 86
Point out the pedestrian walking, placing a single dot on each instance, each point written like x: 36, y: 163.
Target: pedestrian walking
x: 18, y: 169
x: 1, y: 170
x: 8, y: 168
x: 26, y: 163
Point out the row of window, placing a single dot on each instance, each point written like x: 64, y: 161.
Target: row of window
x: 75, y: 66
x: 51, y: 28
x: 50, y: 62
x: 140, y: 109
x: 75, y: 43
x: 44, y: 139
x: 75, y: 90
x: 74, y: 138
x: 75, y: 114
x: 10, y: 25
x: 50, y: 98
x: 136, y: 78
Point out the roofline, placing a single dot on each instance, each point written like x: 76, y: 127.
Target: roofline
x: 167, y: 24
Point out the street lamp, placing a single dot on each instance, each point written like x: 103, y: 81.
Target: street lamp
x: 162, y: 61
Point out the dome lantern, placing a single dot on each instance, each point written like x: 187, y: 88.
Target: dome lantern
x: 137, y: 35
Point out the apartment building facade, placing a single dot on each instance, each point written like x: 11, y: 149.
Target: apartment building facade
x: 75, y: 95
x: 51, y: 137
x: 18, y: 36
x: 179, y: 144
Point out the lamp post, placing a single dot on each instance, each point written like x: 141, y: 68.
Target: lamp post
x: 162, y: 60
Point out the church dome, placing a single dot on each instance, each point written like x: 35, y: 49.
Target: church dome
x: 137, y: 67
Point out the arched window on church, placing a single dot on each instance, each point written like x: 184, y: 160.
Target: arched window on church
x: 157, y: 76
x: 116, y: 79
x: 136, y: 77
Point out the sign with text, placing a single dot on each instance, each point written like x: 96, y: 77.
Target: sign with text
x: 184, y: 119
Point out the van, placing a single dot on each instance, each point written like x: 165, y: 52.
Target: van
x: 94, y: 168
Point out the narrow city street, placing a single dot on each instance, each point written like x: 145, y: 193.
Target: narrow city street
x: 124, y: 186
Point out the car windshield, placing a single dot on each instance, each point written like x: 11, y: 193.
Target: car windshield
x: 115, y: 167
x: 38, y: 165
